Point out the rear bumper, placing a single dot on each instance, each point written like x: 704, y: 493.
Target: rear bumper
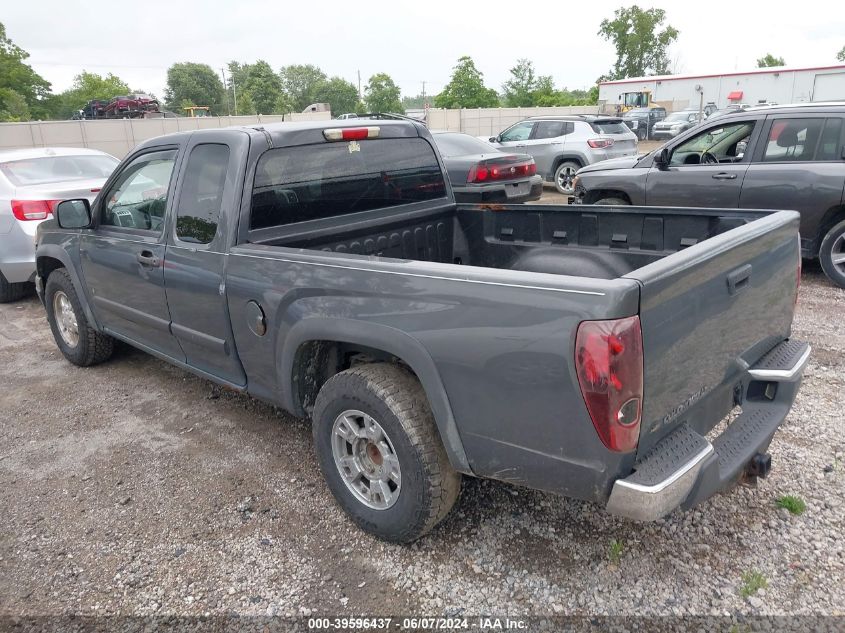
x: 498, y: 192
x: 684, y: 468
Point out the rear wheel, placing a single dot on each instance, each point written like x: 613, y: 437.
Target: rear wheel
x: 380, y: 452
x: 616, y: 202
x: 832, y: 254
x: 11, y: 291
x: 564, y: 176
x: 78, y: 341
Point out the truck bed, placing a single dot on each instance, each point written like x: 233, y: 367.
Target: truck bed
x: 594, y: 242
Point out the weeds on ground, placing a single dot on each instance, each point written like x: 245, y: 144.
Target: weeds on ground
x: 752, y: 582
x: 792, y: 503
x: 614, y: 551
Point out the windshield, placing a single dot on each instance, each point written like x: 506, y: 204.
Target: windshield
x: 42, y: 171
x: 462, y: 145
x: 610, y: 127
x: 678, y: 116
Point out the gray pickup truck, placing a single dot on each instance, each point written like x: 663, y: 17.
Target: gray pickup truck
x: 326, y: 268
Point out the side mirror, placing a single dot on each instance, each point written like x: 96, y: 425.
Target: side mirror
x: 74, y: 214
x: 495, y: 139
x: 662, y: 158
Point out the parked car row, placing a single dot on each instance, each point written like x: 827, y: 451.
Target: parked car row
x: 773, y: 157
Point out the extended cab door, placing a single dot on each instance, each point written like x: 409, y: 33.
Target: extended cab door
x: 704, y: 170
x: 123, y: 255
x: 207, y: 197
x: 798, y: 165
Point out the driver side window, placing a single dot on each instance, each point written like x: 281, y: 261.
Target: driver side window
x: 519, y: 132
x: 719, y: 144
x: 138, y: 199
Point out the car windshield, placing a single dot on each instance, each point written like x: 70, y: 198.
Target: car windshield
x: 462, y: 145
x: 636, y: 112
x: 678, y: 116
x: 42, y: 171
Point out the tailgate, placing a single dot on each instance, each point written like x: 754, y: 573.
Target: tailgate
x: 707, y: 312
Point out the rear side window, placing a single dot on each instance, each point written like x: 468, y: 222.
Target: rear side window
x: 550, y: 129
x: 202, y: 194
x: 830, y: 145
x: 610, y: 127
x: 312, y: 182
x: 793, y: 140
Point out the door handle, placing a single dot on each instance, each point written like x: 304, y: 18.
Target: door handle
x: 724, y: 176
x: 146, y: 258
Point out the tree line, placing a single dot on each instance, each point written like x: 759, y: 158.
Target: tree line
x: 640, y: 37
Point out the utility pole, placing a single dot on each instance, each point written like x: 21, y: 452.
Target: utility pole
x: 226, y: 92
x: 235, y: 94
x: 360, y: 96
x: 423, y: 94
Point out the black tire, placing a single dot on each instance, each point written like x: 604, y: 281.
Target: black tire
x: 396, y: 400
x: 642, y: 134
x: 616, y: 202
x: 12, y: 291
x: 92, y: 347
x: 568, y: 167
x: 833, y: 245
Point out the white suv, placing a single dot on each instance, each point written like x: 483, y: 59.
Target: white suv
x: 561, y: 145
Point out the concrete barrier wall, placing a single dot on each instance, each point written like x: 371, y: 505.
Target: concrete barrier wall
x: 119, y: 136
x: 491, y: 121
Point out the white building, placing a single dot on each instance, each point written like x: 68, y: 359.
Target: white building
x: 772, y: 85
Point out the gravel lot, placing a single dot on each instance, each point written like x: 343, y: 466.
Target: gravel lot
x: 136, y: 488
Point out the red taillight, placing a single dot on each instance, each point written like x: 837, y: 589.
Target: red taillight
x: 33, y: 209
x: 600, y: 143
x: 496, y: 171
x: 350, y: 133
x: 609, y: 362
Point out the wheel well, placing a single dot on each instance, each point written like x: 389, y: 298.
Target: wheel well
x: 566, y: 159
x: 46, y: 265
x: 318, y: 360
x: 831, y: 218
x: 595, y: 195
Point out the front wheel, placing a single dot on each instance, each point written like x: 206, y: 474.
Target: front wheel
x: 832, y: 254
x: 380, y: 452
x: 615, y: 202
x: 80, y: 343
x: 564, y: 176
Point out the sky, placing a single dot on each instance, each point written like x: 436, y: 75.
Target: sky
x: 411, y: 41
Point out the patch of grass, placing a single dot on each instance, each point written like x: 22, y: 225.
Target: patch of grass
x: 614, y: 551
x: 752, y: 582
x: 792, y: 503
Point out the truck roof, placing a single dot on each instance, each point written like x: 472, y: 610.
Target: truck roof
x: 302, y: 132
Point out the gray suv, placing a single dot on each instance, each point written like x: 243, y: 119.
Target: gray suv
x: 779, y: 157
x: 561, y: 145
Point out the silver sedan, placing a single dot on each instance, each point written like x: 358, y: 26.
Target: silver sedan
x: 32, y: 182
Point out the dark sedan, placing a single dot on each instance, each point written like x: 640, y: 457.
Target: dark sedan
x: 481, y: 173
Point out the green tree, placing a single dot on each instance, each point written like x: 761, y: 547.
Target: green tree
x: 769, y: 61
x: 466, y: 88
x: 640, y: 41
x: 341, y: 95
x: 13, y: 106
x: 383, y: 95
x: 415, y: 103
x: 300, y: 83
x: 518, y: 91
x: 87, y: 87
x: 18, y: 81
x: 841, y: 55
x: 197, y: 83
x: 261, y: 85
